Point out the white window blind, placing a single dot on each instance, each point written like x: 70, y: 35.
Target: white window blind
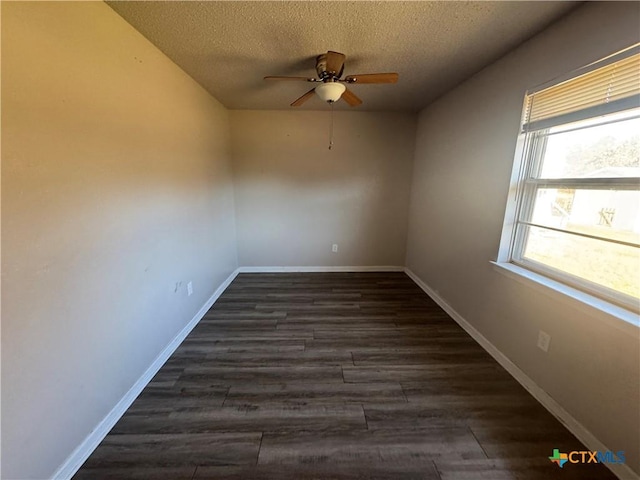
x: 600, y: 91
x: 577, y: 219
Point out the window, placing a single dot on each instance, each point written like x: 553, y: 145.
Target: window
x: 577, y: 215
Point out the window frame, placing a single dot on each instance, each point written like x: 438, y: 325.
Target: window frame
x: 531, y: 147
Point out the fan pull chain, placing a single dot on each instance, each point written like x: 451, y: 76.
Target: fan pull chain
x: 331, y: 129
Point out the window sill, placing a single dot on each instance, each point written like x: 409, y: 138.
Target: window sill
x: 621, y: 318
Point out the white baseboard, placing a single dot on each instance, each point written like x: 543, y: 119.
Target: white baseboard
x: 73, y: 463
x: 622, y: 471
x: 381, y: 268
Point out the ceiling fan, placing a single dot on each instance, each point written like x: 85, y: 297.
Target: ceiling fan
x: 330, y: 67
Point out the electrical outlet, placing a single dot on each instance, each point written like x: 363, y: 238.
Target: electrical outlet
x: 190, y: 288
x: 334, y: 248
x: 544, y: 339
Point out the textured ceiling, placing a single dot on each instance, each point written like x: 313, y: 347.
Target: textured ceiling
x: 229, y: 46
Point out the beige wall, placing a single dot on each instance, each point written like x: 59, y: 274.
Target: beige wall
x: 295, y: 197
x: 116, y: 185
x: 464, y: 154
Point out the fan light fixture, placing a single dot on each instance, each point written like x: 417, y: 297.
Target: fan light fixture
x: 331, y: 91
x: 329, y: 67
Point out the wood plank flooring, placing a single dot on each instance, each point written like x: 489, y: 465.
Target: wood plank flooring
x: 333, y: 376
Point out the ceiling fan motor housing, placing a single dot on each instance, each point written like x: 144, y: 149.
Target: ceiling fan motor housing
x: 321, y: 65
x: 321, y: 68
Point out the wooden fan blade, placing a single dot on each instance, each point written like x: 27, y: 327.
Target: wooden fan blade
x: 372, y: 78
x: 303, y: 98
x: 303, y: 79
x: 335, y: 62
x: 351, y: 98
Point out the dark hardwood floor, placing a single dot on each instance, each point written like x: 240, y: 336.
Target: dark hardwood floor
x: 333, y: 376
